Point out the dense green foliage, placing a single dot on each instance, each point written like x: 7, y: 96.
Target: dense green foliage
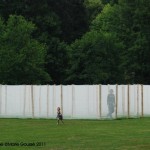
x: 74, y: 42
x: 95, y: 59
x: 22, y: 57
x: 125, y: 134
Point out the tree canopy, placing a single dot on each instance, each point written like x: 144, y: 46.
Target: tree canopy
x: 22, y: 57
x: 74, y: 42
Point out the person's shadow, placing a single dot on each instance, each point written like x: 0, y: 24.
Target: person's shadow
x: 110, y: 103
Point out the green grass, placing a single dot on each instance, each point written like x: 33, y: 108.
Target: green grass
x: 123, y: 134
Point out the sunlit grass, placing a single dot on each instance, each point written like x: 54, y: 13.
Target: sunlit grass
x: 124, y: 134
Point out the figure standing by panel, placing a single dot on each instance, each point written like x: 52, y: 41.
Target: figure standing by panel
x: 110, y: 103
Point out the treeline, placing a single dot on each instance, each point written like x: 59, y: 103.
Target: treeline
x: 74, y: 41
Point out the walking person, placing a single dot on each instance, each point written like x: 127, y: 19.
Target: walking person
x: 59, y: 116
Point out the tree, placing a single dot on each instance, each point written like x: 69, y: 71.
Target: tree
x: 58, y: 23
x: 135, y: 34
x: 22, y: 57
x: 117, y: 27
x: 64, y: 19
x: 93, y: 8
x: 94, y: 59
x: 57, y: 61
x: 128, y: 20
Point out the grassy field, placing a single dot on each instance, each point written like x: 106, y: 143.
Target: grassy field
x: 43, y: 134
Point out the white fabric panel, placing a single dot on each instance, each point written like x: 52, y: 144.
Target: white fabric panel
x: 43, y: 101
x: 40, y: 101
x: 121, y: 101
x: 67, y: 101
x: 14, y: 103
x: 146, y: 100
x: 139, y: 100
x: 132, y: 100
x: 37, y: 100
x: 3, y: 99
x: 104, y: 93
x: 28, y: 101
x: 124, y: 100
x: 51, y: 107
x: 76, y: 101
x: 0, y: 99
x: 93, y: 101
x: 57, y: 99
x: 81, y: 101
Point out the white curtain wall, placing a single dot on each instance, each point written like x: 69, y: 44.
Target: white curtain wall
x: 75, y: 101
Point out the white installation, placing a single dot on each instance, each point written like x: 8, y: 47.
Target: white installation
x: 76, y: 101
